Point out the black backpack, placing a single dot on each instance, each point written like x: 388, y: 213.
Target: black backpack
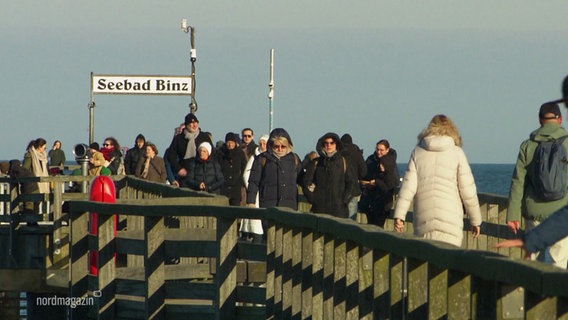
x: 550, y: 170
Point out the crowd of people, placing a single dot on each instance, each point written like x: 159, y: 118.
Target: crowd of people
x: 336, y: 179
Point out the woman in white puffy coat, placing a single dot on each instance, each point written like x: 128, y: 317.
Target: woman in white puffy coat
x: 440, y: 182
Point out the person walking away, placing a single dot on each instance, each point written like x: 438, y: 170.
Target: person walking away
x: 205, y: 172
x: 151, y: 167
x: 251, y: 228
x: 439, y: 180
x: 357, y: 167
x: 233, y: 163
x: 56, y: 155
x: 327, y: 184
x: 525, y: 198
x: 134, y: 154
x: 184, y: 147
x: 273, y: 176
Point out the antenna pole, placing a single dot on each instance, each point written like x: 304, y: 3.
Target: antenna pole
x: 271, y: 92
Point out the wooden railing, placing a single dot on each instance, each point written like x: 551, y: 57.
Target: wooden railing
x: 313, y: 266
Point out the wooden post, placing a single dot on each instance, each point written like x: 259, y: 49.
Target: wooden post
x: 328, y: 262
x: 106, y: 276
x: 339, y: 276
x: 307, y: 267
x: 57, y: 241
x: 286, y: 274
x: 270, y: 269
x: 296, y: 273
x: 317, y: 276
x: 365, y: 297
x: 398, y: 299
x: 79, y: 281
x: 154, y: 256
x: 226, y: 277
x: 437, y: 292
x: 459, y: 295
x: 278, y: 266
x: 417, y: 289
x: 352, y: 281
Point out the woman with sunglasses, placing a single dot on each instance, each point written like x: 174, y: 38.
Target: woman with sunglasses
x: 327, y: 184
x: 273, y: 176
x: 112, y: 154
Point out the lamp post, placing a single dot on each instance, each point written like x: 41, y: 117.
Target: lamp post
x: 193, y: 57
x: 271, y: 92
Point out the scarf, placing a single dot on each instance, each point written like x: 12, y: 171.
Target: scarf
x: 146, y: 167
x: 106, y: 153
x: 329, y: 155
x: 191, y: 150
x: 39, y: 168
x: 280, y: 154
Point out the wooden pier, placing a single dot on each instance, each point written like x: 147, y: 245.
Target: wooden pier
x: 176, y: 255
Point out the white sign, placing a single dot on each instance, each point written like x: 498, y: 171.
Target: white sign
x: 123, y: 84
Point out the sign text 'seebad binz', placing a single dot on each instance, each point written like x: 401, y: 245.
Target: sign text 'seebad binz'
x: 160, y: 85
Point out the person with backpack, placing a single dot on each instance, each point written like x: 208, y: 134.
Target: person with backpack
x: 538, y: 186
x: 328, y: 184
x: 274, y: 174
x: 438, y: 180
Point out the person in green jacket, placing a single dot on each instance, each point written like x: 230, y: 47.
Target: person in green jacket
x: 523, y: 200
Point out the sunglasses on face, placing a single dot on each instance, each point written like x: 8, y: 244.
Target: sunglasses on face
x: 279, y: 147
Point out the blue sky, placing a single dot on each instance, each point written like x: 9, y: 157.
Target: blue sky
x: 375, y: 69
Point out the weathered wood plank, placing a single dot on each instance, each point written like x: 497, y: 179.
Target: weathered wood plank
x: 154, y: 264
x: 226, y: 277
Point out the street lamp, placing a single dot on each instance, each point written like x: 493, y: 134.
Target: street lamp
x: 193, y: 57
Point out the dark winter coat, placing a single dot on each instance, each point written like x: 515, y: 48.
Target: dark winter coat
x: 275, y: 180
x: 334, y: 184
x: 355, y: 163
x: 116, y: 157
x: 386, y: 181
x: 233, y: 163
x: 208, y: 172
x: 178, y: 147
x: 18, y: 171
x: 133, y: 155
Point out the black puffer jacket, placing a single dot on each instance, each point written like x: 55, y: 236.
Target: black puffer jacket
x: 208, y: 172
x: 275, y: 181
x: 334, y: 184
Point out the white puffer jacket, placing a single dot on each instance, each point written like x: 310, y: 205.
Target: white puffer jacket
x: 439, y: 180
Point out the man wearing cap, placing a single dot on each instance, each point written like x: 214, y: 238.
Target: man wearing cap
x: 522, y: 198
x: 184, y: 147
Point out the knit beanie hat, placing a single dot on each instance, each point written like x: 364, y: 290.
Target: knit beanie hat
x: 189, y: 118
x: 205, y: 145
x: 231, y: 136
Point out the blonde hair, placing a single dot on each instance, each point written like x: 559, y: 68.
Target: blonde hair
x: 283, y: 141
x: 441, y: 125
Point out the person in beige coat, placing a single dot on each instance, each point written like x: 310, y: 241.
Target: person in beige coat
x: 439, y: 180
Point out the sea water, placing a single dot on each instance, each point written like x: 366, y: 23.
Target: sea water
x: 489, y: 178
